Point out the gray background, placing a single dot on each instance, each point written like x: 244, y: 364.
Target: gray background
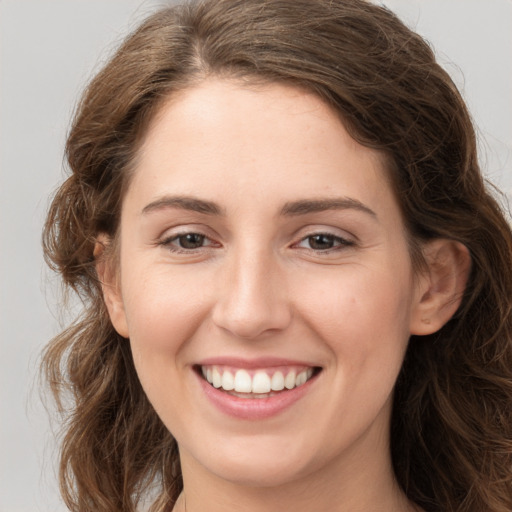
x: 48, y: 49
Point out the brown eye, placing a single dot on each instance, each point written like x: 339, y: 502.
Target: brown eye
x: 321, y: 242
x: 324, y: 242
x: 190, y: 241
x: 187, y: 242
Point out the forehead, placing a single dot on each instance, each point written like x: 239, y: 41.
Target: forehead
x: 229, y: 140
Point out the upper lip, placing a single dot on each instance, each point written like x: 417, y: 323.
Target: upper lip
x: 259, y: 362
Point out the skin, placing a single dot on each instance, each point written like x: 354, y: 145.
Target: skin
x: 260, y: 287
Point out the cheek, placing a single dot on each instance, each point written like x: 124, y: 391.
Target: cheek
x: 163, y: 313
x: 358, y: 304
x: 163, y: 308
x: 363, y: 319
x: 162, y: 316
x: 361, y: 316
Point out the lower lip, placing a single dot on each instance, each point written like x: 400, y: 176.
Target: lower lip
x: 254, y: 408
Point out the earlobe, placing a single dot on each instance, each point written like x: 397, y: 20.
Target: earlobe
x: 111, y: 289
x: 441, y: 286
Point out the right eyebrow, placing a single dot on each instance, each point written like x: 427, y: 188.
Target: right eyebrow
x: 303, y: 207
x: 184, y: 203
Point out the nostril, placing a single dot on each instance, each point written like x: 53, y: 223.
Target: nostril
x: 252, y: 303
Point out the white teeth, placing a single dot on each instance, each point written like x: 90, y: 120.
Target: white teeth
x: 243, y: 382
x: 277, y: 383
x: 261, y: 383
x: 228, y: 381
x: 217, y: 378
x: 289, y: 381
x: 301, y: 378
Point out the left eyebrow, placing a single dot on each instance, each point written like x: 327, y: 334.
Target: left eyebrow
x: 306, y: 206
x: 184, y: 203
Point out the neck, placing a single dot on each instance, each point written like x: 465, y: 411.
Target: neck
x: 357, y: 486
x: 269, y: 501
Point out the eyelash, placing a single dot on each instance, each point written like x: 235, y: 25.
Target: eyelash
x: 168, y: 242
x: 338, y: 243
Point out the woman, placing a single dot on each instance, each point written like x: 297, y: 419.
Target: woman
x: 296, y: 285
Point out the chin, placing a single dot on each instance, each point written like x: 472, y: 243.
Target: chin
x: 251, y: 474
x: 257, y: 462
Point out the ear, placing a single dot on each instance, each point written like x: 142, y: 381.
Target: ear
x: 441, y: 286
x: 109, y: 279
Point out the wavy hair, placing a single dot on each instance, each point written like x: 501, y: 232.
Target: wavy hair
x: 452, y: 418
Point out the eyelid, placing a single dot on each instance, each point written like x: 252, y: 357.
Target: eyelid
x: 342, y: 238
x: 322, y: 229
x: 172, y: 234
x: 341, y: 241
x: 181, y: 229
x: 177, y: 236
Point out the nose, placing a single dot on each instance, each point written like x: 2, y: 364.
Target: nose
x: 252, y: 299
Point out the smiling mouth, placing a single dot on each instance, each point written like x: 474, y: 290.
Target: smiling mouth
x: 259, y: 383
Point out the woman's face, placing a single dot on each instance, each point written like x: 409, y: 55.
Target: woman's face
x: 265, y: 285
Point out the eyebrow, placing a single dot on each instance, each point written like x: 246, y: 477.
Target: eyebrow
x: 290, y: 209
x: 184, y: 203
x: 306, y: 206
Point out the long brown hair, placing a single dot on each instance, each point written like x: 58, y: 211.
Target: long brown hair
x: 452, y: 420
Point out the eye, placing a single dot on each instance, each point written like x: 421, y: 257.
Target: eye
x: 189, y: 241
x: 184, y: 242
x: 323, y: 242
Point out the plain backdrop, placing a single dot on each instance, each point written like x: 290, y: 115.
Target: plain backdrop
x: 48, y: 50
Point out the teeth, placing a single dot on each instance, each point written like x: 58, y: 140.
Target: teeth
x: 243, y: 382
x: 301, y: 378
x: 277, y: 383
x: 228, y: 381
x: 289, y: 381
x: 260, y: 383
x: 216, y: 378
